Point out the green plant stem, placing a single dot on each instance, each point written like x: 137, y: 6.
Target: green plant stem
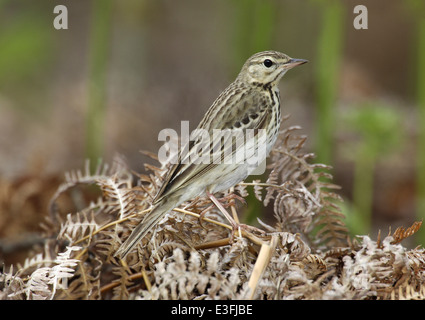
x: 98, y: 60
x: 421, y: 126
x: 363, y: 192
x: 328, y: 64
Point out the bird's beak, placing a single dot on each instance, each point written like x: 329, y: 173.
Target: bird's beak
x: 294, y: 62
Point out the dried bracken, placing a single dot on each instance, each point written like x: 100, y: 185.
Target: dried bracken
x: 305, y: 253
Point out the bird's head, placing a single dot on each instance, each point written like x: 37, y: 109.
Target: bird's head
x: 267, y: 67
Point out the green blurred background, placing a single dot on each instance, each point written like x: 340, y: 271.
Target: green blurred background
x: 124, y: 70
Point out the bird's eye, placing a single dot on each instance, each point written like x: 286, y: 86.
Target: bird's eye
x: 268, y: 63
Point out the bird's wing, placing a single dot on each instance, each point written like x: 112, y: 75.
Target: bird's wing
x: 247, y: 115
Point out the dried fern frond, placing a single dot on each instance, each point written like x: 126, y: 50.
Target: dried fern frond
x: 315, y: 260
x: 11, y: 285
x: 301, y: 193
x: 85, y: 284
x: 401, y: 233
x: 78, y: 226
x: 331, y: 230
x: 188, y: 254
x: 121, y: 291
x: 293, y: 164
x: 85, y: 177
x: 44, y: 282
x: 119, y: 193
x: 188, y: 279
x: 408, y: 292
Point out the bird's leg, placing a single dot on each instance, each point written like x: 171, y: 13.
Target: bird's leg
x: 230, y: 198
x: 193, y: 203
x: 235, y: 225
x: 234, y: 196
x: 202, y: 214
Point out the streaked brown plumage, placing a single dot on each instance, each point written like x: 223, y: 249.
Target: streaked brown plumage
x: 251, y: 102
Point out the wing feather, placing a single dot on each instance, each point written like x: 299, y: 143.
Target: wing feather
x: 250, y: 116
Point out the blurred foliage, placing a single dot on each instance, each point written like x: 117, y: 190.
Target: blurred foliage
x: 98, y: 60
x: 23, y: 45
x: 26, y: 44
x: 418, y: 11
x: 421, y: 122
x: 29, y: 46
x: 253, y: 27
x: 329, y: 55
x: 379, y: 126
x: 380, y: 132
x: 417, y: 7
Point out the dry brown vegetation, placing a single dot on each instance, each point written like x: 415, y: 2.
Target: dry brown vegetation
x: 306, y: 253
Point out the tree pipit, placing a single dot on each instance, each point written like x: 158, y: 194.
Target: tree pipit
x: 248, y: 111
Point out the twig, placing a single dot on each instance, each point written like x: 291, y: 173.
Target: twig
x: 106, y: 226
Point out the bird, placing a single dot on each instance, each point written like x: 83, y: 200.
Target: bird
x: 251, y: 102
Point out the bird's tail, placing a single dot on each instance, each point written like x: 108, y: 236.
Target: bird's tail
x: 153, y: 217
